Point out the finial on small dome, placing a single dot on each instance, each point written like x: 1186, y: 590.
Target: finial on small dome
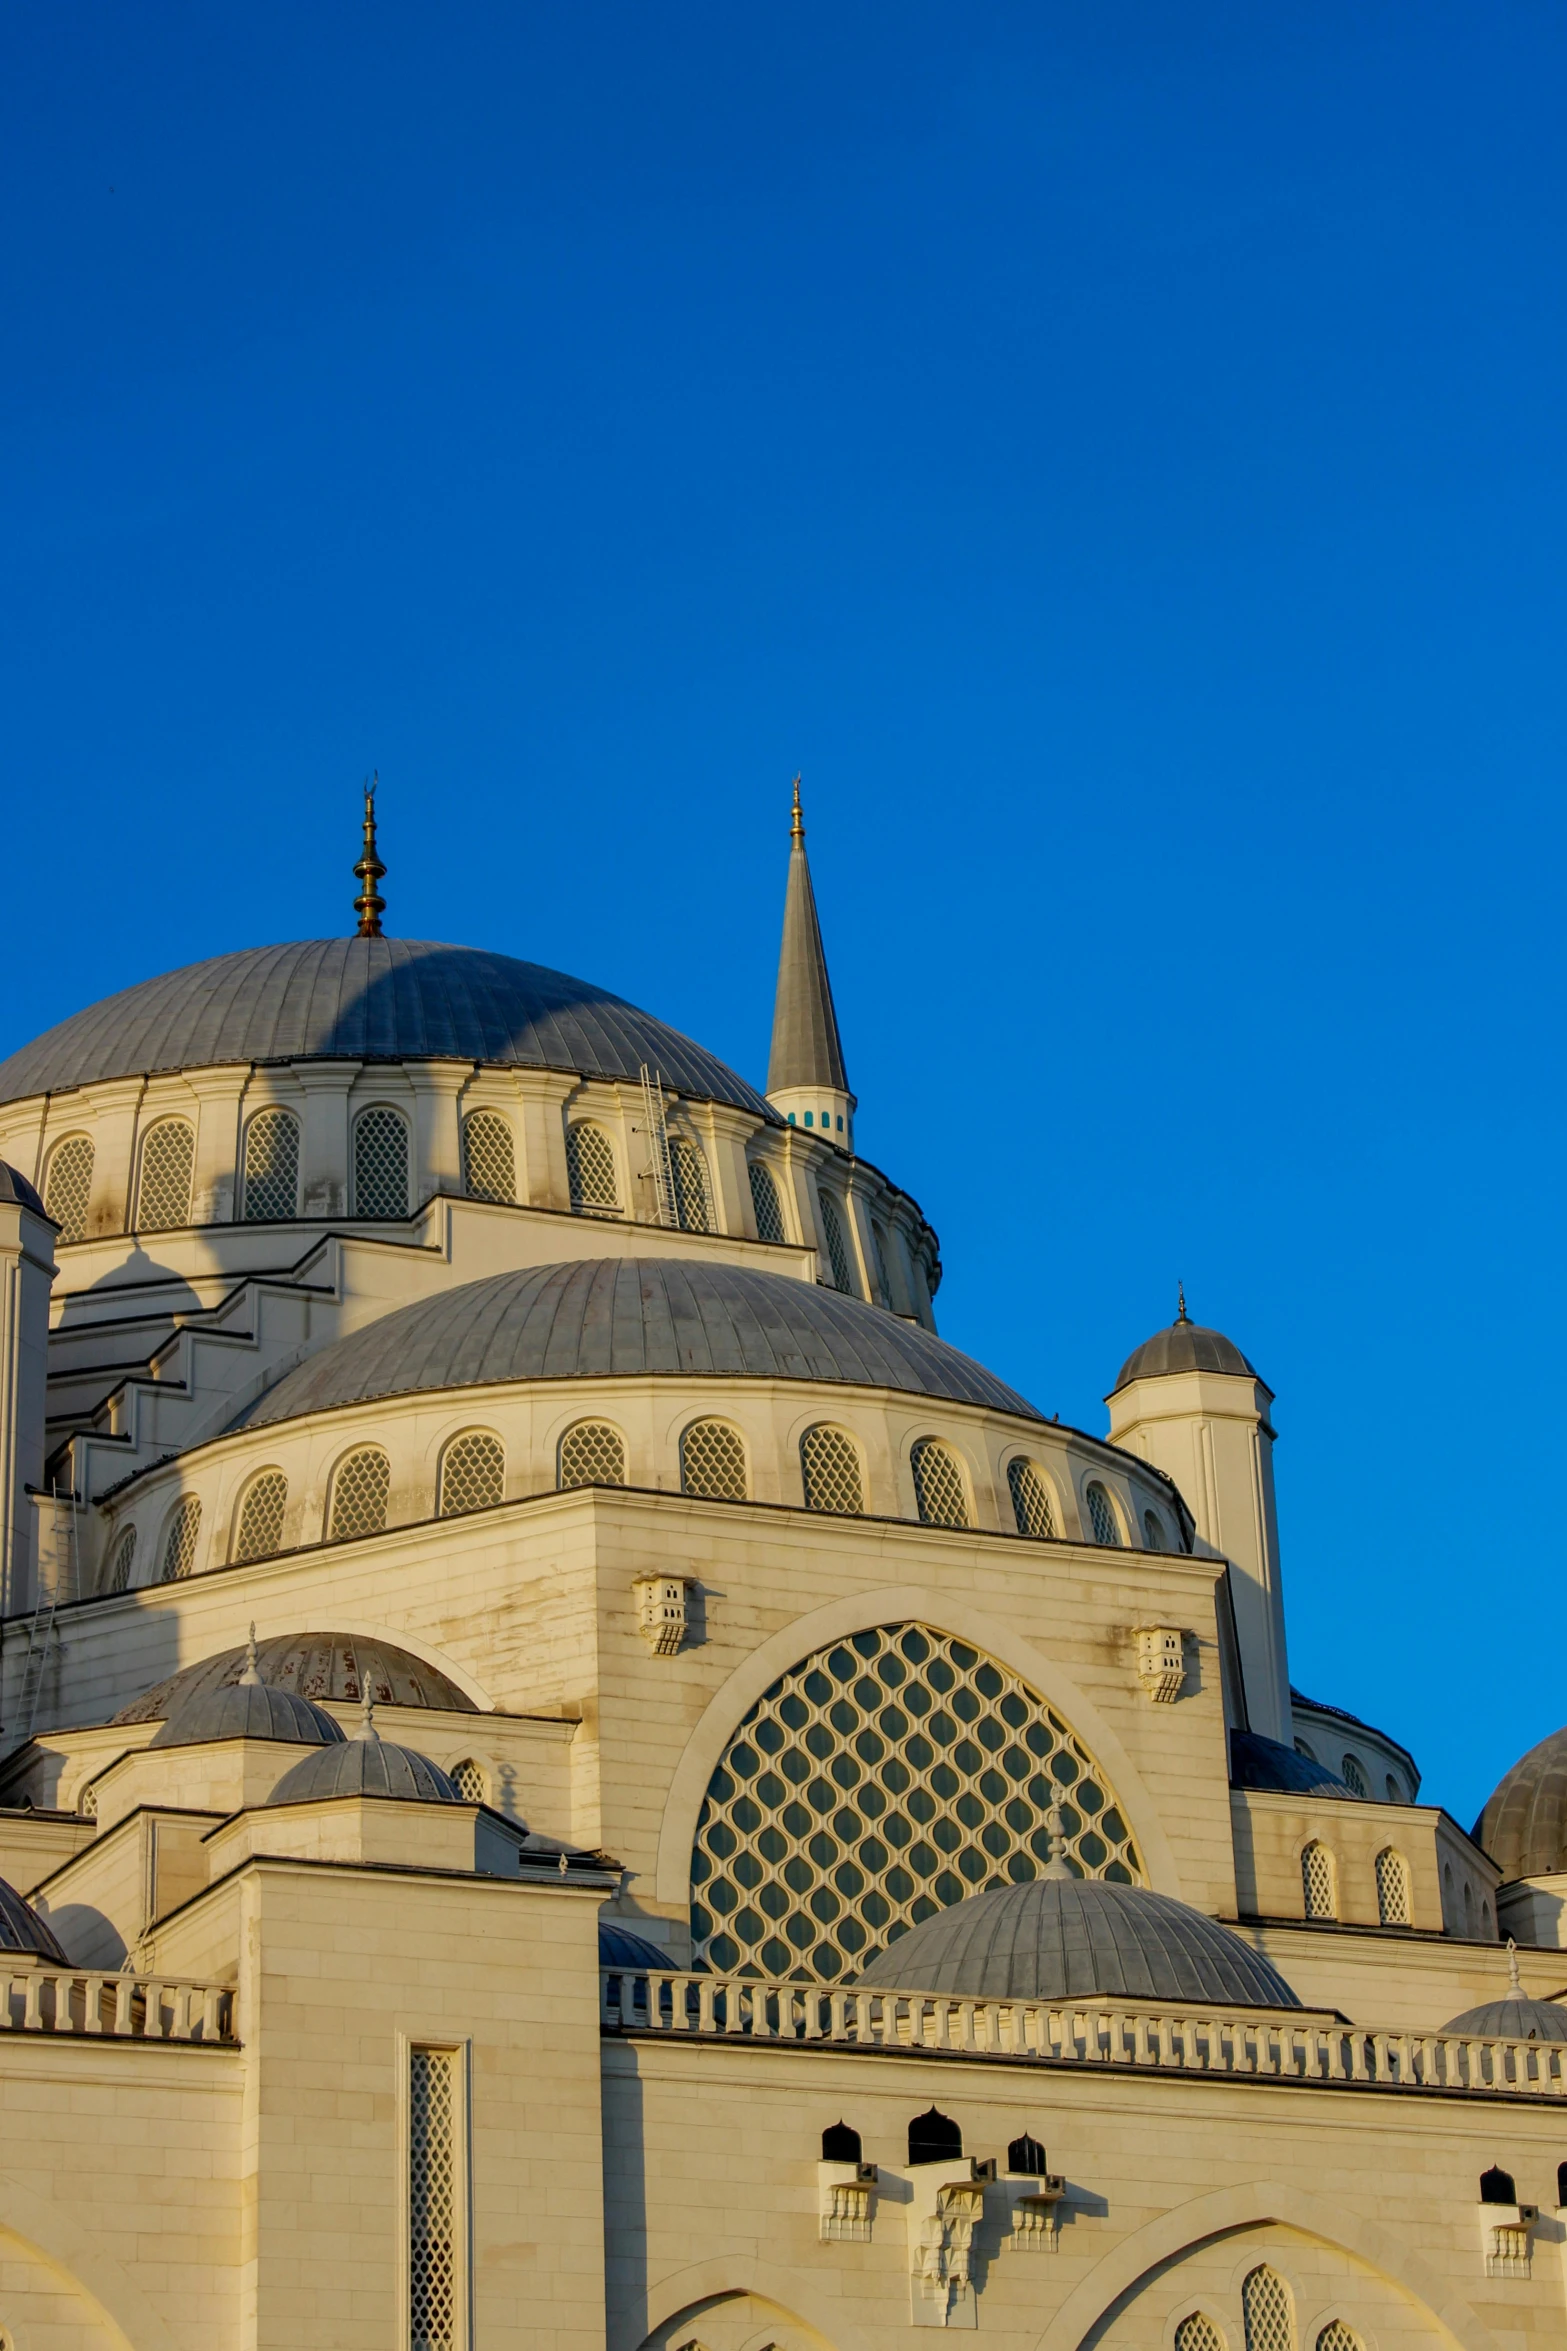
x: 564, y: 1864
x: 1514, y: 1981
x: 796, y: 820
x: 1181, y: 1314
x: 250, y: 1679
x: 1055, y: 1831
x: 368, y: 905
x: 367, y: 1729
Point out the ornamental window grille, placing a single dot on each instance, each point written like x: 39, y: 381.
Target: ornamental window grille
x: 473, y: 1473
x: 1153, y: 1532
x: 590, y: 1170
x: 1336, y: 2336
x: 489, y: 1163
x: 359, y: 1492
x: 432, y: 2200
x: 260, y: 1531
x: 68, y: 1186
x: 271, y: 1165
x: 1353, y: 1777
x: 1265, y: 2306
x: 123, y: 1561
x: 179, y: 1544
x: 938, y: 1484
x: 1393, y: 1889
x: 1197, y: 2332
x: 593, y: 1454
x: 468, y: 1780
x: 837, y: 1247
x: 879, y: 1252
x: 689, y: 1170
x: 767, y: 1204
x: 167, y: 1158
x: 830, y: 1463
x: 1103, y: 1523
x: 876, y: 1783
x: 1032, y: 1506
x: 1316, y: 1878
x: 712, y: 1461
x: 380, y: 1163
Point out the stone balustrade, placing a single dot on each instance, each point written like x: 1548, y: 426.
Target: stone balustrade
x: 114, y: 2007
x: 1240, y: 2045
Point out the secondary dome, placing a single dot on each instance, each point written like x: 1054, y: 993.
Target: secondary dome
x: 247, y: 1709
x: 367, y: 1000
x: 1075, y: 1938
x: 619, y: 1947
x: 629, y: 1317
x: 335, y: 1667
x: 21, y: 1928
x: 1515, y: 2017
x: 1184, y: 1346
x: 1524, y: 1824
x: 1256, y: 1762
x: 15, y: 1188
x: 366, y: 1766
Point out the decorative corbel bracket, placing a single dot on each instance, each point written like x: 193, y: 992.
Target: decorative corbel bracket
x: 947, y: 2206
x: 845, y: 2201
x: 1507, y: 2233
x: 1036, y: 2202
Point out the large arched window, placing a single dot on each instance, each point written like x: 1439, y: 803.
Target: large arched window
x: 168, y: 1156
x: 593, y: 1453
x: 473, y: 1473
x: 68, y: 1185
x: 1318, y: 1881
x: 837, y: 1246
x: 712, y: 1461
x: 360, y: 1487
x: 258, y: 1533
x: 1032, y: 1505
x: 1265, y: 2307
x: 830, y: 1466
x: 590, y: 1170
x: 939, y: 1490
x: 1103, y: 1524
x: 489, y: 1163
x: 875, y: 1783
x: 1393, y: 1907
x: 689, y: 1170
x: 380, y: 1162
x: 271, y: 1165
x: 765, y: 1201
x: 179, y: 1541
x: 122, y: 1562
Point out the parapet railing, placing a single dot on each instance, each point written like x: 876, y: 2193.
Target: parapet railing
x: 114, y: 2007
x: 1239, y: 2045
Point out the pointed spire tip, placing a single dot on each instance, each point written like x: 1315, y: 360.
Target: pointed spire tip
x: 369, y: 905
x: 796, y: 820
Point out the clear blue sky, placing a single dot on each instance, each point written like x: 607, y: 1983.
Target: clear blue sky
x: 1117, y: 453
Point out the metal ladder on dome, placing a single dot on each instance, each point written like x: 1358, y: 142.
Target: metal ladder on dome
x: 41, y: 1634
x: 660, y: 1170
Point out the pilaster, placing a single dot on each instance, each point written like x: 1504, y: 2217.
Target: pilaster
x: 112, y: 1125
x: 324, y: 1143
x: 437, y: 1089
x: 215, y: 1182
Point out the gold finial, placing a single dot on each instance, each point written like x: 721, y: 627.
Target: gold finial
x: 368, y: 906
x: 1180, y: 1301
x: 796, y: 821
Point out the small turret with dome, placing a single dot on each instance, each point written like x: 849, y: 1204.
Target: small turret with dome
x: 367, y: 1765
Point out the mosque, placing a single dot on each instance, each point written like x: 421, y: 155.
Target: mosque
x: 573, y: 1776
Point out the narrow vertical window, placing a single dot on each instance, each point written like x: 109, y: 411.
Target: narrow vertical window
x: 473, y: 1473
x: 1031, y: 1503
x: 1316, y: 1878
x: 590, y: 1170
x: 1153, y: 1532
x: 168, y: 1157
x: 179, y: 1544
x: 1353, y: 1777
x: 1393, y: 1889
x: 260, y: 1531
x: 938, y: 1484
x: 765, y: 1200
x: 123, y: 1561
x: 68, y: 1186
x: 489, y: 1164
x: 837, y: 1246
x: 883, y: 1278
x: 271, y: 1165
x: 1103, y: 1523
x: 593, y: 1454
x: 830, y: 1466
x: 689, y: 1169
x: 359, y: 1492
x: 380, y: 1163
x: 433, y: 2208
x: 1265, y: 2306
x: 712, y: 1462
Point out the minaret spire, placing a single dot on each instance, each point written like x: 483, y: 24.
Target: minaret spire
x: 368, y: 905
x: 806, y: 1078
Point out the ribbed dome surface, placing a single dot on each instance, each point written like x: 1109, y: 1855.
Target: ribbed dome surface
x: 21, y: 1928
x: 370, y: 1766
x: 14, y: 1187
x: 1070, y: 1938
x: 614, y: 1317
x: 1185, y: 1346
x: 1256, y: 1762
x: 367, y: 1000
x: 1524, y: 1824
x: 619, y: 1947
x: 246, y: 1710
x: 339, y: 1667
x: 1517, y: 2019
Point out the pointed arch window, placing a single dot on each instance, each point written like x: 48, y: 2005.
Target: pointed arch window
x: 590, y: 1170
x: 939, y: 1490
x: 68, y: 1186
x: 1393, y: 1907
x: 168, y: 1159
x: 766, y: 1202
x: 830, y: 1466
x: 473, y: 1473
x: 1318, y: 1880
x: 381, y: 1162
x: 1032, y: 1505
x: 359, y: 1493
x: 467, y: 1778
x: 837, y: 1246
x: 593, y: 1453
x: 259, y: 1534
x: 1265, y: 2306
x: 489, y: 1162
x: 1197, y: 2332
x: 179, y: 1542
x: 271, y: 1165
x: 689, y: 1171
x: 1336, y: 2336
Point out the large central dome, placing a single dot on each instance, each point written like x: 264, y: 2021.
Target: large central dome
x: 367, y: 1000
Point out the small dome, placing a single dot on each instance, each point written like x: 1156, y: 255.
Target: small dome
x: 1256, y: 1762
x: 1184, y: 1346
x: 619, y: 1947
x: 1072, y: 1938
x: 366, y: 1766
x: 1524, y: 1824
x: 247, y: 1709
x: 334, y: 1667
x: 15, y: 1187
x: 21, y: 1928
x: 1517, y: 2019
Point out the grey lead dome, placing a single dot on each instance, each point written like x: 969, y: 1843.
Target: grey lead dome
x: 1184, y: 1346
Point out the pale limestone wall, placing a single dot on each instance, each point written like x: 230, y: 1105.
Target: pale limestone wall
x: 1272, y: 1831
x: 1400, y: 1983
x: 1535, y: 1910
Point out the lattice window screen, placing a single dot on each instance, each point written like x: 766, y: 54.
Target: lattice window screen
x: 432, y: 2200
x: 712, y: 1461
x: 879, y: 1252
x: 593, y: 1454
x: 1153, y: 1532
x: 1336, y: 2336
x: 1198, y: 2333
x: 1316, y: 1875
x: 768, y: 1206
x: 260, y: 1533
x: 1353, y: 1777
x: 271, y: 1164
x: 876, y: 1783
x: 1265, y: 2304
x: 938, y: 1485
x: 473, y: 1473
x: 590, y: 1168
x: 123, y: 1561
x: 830, y: 1461
x: 689, y: 1169
x: 468, y: 1780
x: 380, y: 1163
x: 1104, y: 1524
x: 1392, y: 1889
x: 68, y: 1186
x: 167, y: 1159
x: 359, y: 1492
x: 837, y: 1247
x: 489, y: 1163
x: 1032, y: 1506
x: 179, y: 1544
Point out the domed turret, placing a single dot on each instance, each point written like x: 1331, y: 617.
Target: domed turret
x: 365, y: 1766
x: 1515, y: 2018
x: 247, y: 1709
x: 21, y: 1928
x: 1524, y: 1822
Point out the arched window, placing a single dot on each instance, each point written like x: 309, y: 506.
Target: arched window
x: 1197, y: 2332
x: 1032, y: 1505
x: 489, y: 1163
x: 590, y: 1170
x: 689, y: 1170
x: 1103, y: 1523
x: 68, y: 1186
x: 765, y: 1201
x: 271, y: 1165
x: 473, y: 1473
x: 1265, y: 2306
x: 934, y: 2138
x: 179, y: 1542
x: 1496, y: 2186
x: 712, y: 1461
x: 1153, y: 1532
x: 837, y: 1247
x: 878, y: 1781
x: 1393, y: 1889
x: 359, y: 1492
x: 1395, y: 1794
x: 467, y: 1778
x: 167, y: 1158
x: 1485, y: 1918
x: 1026, y: 2158
x: 938, y: 1484
x: 593, y: 1454
x: 1317, y: 1881
x: 1561, y: 2183
x: 841, y: 2144
x: 1352, y: 1776
x: 123, y: 1561
x: 1336, y: 2336
x: 1469, y: 1910
x: 830, y: 1463
x: 259, y: 1533
x: 1301, y: 1748
x: 879, y: 1252
x: 380, y: 1162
